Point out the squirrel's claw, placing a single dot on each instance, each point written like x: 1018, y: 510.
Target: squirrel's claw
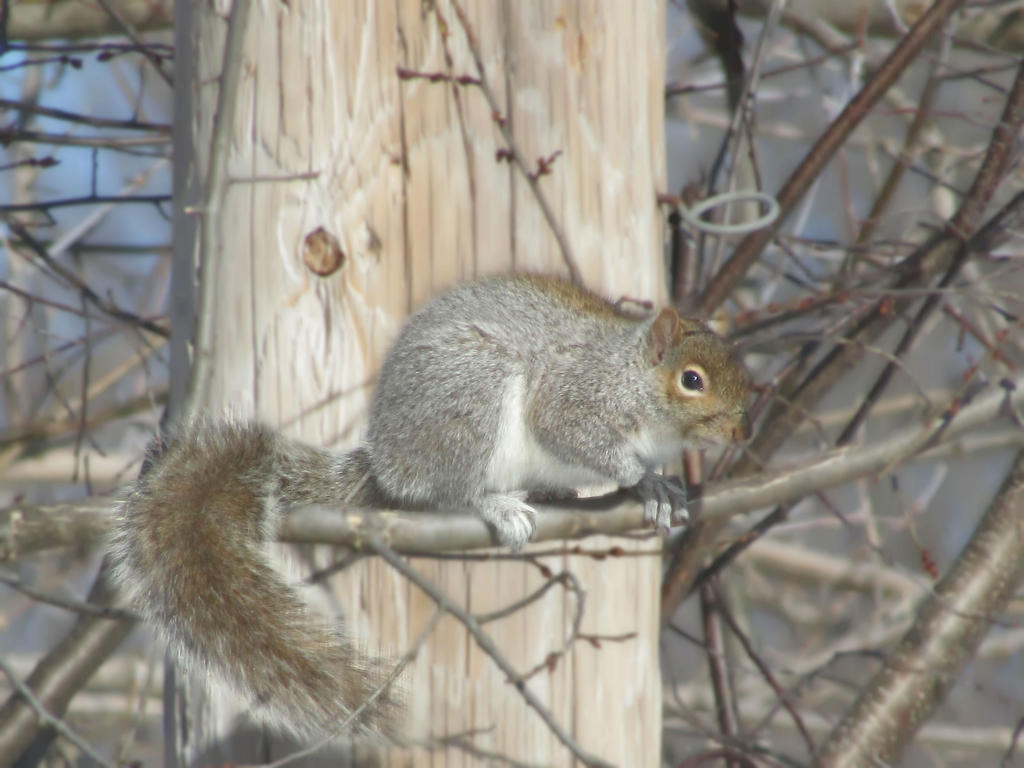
x: 664, y: 501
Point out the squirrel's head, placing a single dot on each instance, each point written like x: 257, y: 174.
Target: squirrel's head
x: 704, y: 386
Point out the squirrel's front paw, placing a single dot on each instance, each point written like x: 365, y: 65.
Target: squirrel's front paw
x: 664, y: 500
x: 513, y: 520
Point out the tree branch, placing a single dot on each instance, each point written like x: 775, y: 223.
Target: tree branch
x: 60, y: 675
x: 943, y: 639
x: 750, y: 248
x: 28, y: 530
x: 487, y: 645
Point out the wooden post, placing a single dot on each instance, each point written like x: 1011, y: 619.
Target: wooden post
x: 355, y: 142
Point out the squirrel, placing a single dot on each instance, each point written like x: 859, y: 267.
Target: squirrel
x: 496, y: 388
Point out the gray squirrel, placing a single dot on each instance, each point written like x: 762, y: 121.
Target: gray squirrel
x: 494, y: 389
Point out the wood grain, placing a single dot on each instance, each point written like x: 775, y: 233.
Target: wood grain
x: 406, y: 175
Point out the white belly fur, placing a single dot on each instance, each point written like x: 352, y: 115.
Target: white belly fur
x: 657, y: 446
x: 519, y: 463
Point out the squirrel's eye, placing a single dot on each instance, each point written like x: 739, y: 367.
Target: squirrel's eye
x: 693, y: 381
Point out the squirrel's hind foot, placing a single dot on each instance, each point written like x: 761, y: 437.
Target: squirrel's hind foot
x: 513, y: 520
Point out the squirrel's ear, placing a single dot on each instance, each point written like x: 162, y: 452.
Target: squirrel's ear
x: 659, y: 338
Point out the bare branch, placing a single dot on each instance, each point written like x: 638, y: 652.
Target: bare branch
x: 33, y: 529
x: 63, y: 671
x: 128, y: 28
x: 214, y: 190
x: 799, y: 182
x: 50, y: 720
x: 532, y: 177
x: 487, y: 645
x: 943, y: 639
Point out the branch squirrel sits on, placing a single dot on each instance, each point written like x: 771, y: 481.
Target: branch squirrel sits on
x: 497, y: 388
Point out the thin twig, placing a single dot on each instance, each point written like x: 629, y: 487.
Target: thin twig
x: 487, y: 645
x: 911, y: 140
x: 733, y: 139
x: 512, y: 149
x: 60, y: 674
x: 78, y: 606
x: 132, y: 34
x: 985, y: 182
x: 106, y: 306
x: 51, y: 720
x: 944, y: 251
x: 859, y: 107
x: 762, y: 667
x: 407, y: 658
x: 93, y: 120
x: 718, y: 666
x: 565, y: 579
x: 119, y: 143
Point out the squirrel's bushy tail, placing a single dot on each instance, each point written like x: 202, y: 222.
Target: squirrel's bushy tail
x: 189, y: 549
